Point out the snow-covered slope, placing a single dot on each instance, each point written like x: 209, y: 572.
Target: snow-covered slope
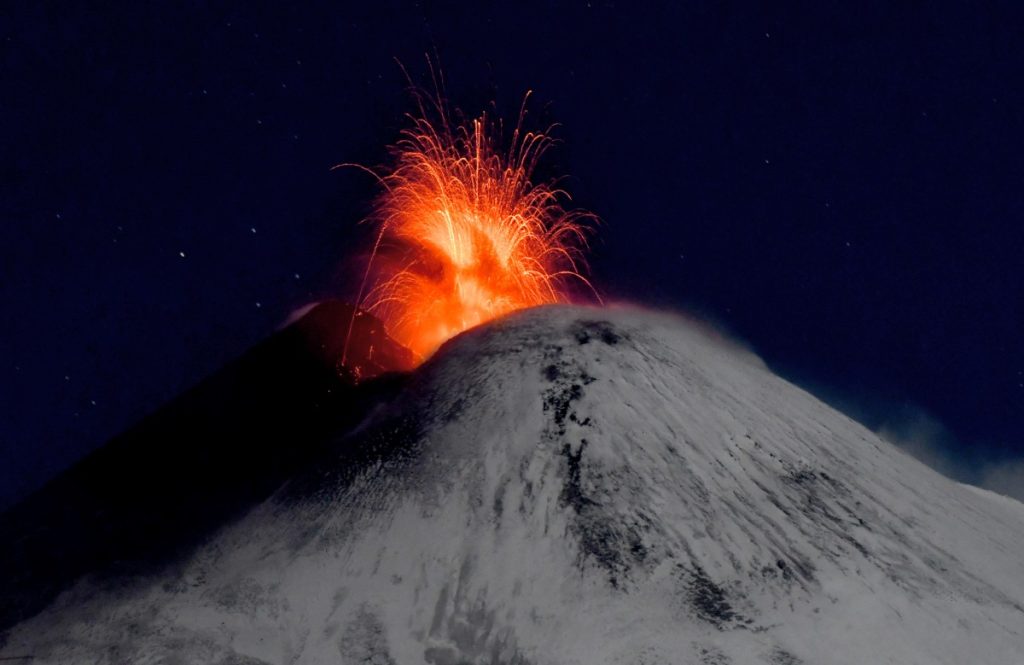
x: 583, y: 486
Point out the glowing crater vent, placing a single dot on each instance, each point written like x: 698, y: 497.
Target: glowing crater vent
x: 464, y: 234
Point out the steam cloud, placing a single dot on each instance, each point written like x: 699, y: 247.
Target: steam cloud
x: 925, y: 438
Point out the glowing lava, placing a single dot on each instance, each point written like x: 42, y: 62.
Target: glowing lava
x: 464, y: 234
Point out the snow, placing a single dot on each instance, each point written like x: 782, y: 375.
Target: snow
x: 582, y: 486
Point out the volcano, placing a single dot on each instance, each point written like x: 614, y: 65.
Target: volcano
x: 563, y: 485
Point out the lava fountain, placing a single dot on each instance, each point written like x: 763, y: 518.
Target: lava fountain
x: 464, y: 233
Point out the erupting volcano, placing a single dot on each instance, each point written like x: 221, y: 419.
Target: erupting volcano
x: 464, y: 233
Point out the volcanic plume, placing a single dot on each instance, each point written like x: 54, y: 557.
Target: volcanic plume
x: 465, y: 234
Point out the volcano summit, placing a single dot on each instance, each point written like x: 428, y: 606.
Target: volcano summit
x: 580, y: 486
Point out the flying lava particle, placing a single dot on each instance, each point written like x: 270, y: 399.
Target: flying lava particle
x: 465, y: 235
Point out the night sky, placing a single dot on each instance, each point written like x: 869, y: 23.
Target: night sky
x: 841, y: 187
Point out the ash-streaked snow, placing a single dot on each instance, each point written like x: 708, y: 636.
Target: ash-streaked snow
x: 583, y: 486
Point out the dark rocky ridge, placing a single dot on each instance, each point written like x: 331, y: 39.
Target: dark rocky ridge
x: 152, y: 493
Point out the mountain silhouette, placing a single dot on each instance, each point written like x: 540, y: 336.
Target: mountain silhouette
x: 565, y: 485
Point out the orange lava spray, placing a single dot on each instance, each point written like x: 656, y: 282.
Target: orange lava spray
x: 465, y: 235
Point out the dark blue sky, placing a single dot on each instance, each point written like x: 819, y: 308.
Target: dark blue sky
x: 841, y: 186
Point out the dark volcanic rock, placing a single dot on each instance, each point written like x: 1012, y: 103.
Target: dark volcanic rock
x: 153, y: 493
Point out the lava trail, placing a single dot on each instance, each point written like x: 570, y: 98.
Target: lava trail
x: 464, y: 234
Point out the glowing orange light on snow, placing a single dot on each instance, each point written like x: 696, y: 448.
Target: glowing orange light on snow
x: 465, y: 235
